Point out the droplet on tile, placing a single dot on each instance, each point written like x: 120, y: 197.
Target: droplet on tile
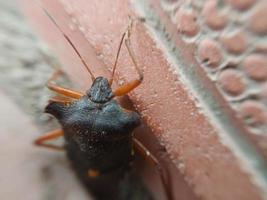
x: 214, y: 18
x: 240, y: 4
x: 258, y: 22
x: 186, y: 22
x: 253, y: 113
x: 209, y: 52
x: 255, y: 66
x: 232, y: 82
x: 235, y: 43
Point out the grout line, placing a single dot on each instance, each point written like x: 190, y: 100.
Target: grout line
x: 254, y: 163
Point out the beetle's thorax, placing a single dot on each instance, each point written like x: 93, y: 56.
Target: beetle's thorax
x: 100, y: 91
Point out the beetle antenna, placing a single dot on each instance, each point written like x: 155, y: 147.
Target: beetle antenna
x: 119, y: 49
x: 69, y: 41
x: 116, y: 60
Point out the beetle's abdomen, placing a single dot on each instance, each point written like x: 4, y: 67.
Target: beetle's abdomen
x: 103, y: 156
x: 109, y: 160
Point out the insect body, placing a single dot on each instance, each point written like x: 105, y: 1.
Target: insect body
x: 98, y: 133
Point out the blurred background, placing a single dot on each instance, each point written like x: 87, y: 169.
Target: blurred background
x: 28, y: 172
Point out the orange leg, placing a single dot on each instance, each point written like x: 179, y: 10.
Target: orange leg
x: 49, y: 136
x: 153, y: 160
x: 61, y: 90
x: 60, y: 99
x: 122, y: 90
x: 126, y: 88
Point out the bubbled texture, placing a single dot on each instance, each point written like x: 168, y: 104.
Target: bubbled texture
x: 231, y: 46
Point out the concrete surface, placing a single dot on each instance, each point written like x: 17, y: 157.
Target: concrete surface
x: 27, y: 172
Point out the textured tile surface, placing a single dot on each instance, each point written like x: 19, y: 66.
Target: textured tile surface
x: 231, y: 39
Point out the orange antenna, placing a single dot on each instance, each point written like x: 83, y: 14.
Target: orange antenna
x: 69, y: 41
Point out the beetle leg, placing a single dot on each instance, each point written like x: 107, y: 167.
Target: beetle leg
x: 153, y: 160
x: 124, y: 89
x: 61, y: 90
x: 49, y: 136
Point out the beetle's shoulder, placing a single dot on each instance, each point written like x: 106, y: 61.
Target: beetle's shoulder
x: 84, y: 109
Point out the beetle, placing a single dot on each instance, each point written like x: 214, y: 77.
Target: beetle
x: 98, y: 132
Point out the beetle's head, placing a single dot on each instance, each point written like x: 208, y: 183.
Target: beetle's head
x: 100, y: 91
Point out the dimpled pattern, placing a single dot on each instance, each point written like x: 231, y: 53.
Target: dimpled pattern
x: 230, y: 37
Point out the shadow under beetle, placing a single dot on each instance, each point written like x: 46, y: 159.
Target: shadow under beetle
x: 98, y: 133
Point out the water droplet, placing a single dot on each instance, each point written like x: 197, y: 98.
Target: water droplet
x: 71, y: 27
x: 181, y: 167
x: 74, y: 20
x: 82, y: 29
